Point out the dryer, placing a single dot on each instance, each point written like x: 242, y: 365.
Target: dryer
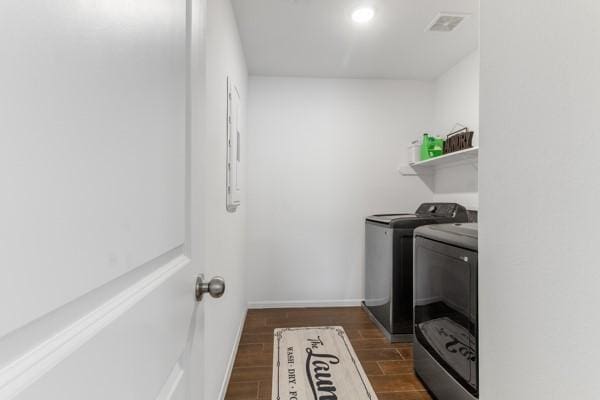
x: 446, y: 356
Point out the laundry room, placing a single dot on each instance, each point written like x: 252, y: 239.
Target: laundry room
x: 299, y: 199
x: 331, y: 116
x: 362, y: 124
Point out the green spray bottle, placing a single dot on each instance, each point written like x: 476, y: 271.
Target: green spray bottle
x: 431, y: 147
x: 425, y: 147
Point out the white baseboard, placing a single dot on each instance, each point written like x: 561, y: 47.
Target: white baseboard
x: 231, y: 361
x: 304, y: 303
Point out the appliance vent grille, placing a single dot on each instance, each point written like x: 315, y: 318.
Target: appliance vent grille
x: 446, y: 22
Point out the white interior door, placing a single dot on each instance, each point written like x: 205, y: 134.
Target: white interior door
x: 99, y: 112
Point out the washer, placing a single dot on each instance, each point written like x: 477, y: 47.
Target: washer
x: 389, y: 265
x: 445, y: 347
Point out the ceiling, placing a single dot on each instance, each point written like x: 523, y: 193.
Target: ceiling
x: 317, y: 38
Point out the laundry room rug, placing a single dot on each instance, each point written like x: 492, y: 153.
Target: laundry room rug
x: 317, y: 363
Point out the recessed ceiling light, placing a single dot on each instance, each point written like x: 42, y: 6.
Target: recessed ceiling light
x: 363, y: 15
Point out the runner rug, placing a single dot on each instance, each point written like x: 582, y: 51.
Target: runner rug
x: 317, y: 363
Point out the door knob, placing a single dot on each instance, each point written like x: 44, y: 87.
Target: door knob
x: 215, y: 287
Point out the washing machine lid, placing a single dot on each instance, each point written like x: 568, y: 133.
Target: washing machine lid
x: 427, y: 213
x: 387, y: 218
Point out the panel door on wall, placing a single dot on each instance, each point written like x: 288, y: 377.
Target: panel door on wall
x: 98, y: 264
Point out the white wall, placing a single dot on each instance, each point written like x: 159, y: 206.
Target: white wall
x: 539, y: 269
x: 456, y: 96
x: 456, y: 100
x: 225, y: 232
x: 323, y: 155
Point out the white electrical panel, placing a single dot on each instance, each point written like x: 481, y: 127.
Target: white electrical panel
x: 233, y: 147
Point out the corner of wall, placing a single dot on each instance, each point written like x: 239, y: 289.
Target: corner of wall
x: 225, y: 232
x: 456, y: 101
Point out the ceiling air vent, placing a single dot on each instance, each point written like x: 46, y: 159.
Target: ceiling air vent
x: 446, y: 22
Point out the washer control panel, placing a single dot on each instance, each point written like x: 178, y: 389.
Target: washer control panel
x: 440, y: 209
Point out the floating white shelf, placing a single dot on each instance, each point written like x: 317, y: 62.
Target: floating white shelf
x: 427, y: 167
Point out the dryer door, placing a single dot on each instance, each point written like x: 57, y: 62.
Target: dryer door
x: 446, y: 307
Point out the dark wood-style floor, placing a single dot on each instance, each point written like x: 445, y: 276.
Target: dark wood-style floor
x: 388, y: 366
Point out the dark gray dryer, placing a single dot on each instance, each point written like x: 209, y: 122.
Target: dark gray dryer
x: 389, y: 264
x: 446, y: 319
